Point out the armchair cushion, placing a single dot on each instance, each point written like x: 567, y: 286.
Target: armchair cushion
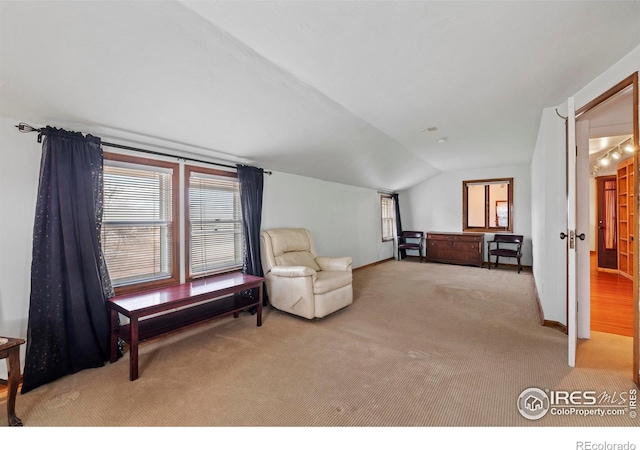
x: 292, y: 247
x: 330, y: 280
x: 285, y: 240
x: 293, y: 271
x: 297, y: 259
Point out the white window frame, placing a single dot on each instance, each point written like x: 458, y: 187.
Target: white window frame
x: 388, y: 217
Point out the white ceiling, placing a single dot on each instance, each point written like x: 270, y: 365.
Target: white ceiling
x: 337, y: 90
x: 610, y: 129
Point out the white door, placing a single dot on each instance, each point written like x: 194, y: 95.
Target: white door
x: 572, y: 304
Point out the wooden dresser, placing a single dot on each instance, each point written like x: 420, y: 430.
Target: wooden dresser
x: 456, y: 248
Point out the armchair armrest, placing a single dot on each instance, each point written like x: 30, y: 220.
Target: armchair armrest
x: 330, y: 263
x: 293, y: 271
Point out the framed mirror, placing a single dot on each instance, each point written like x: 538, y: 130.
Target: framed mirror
x: 487, y: 205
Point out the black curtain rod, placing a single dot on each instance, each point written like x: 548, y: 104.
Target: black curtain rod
x: 26, y: 128
x: 152, y: 152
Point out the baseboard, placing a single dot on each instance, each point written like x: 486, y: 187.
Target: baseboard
x: 509, y: 266
x: 538, y: 304
x: 626, y: 275
x: 556, y: 326
x: 614, y: 271
x: 484, y: 264
x: 547, y: 323
x: 373, y: 264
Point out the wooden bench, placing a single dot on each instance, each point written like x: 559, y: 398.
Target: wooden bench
x: 215, y: 296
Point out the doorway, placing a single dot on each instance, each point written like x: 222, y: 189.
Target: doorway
x: 606, y: 246
x: 611, y: 261
x: 611, y: 125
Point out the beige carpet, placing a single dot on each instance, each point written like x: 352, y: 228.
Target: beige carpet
x: 423, y: 345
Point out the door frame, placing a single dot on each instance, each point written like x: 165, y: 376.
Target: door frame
x: 572, y: 269
x: 631, y: 80
x: 583, y: 231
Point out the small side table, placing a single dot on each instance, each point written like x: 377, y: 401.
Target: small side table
x: 11, y: 350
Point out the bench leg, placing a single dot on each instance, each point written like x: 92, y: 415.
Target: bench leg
x: 259, y: 312
x: 133, y: 349
x: 114, y: 337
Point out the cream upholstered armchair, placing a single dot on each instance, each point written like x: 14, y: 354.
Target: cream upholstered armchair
x: 300, y: 282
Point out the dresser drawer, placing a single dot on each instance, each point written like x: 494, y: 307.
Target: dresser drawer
x: 456, y: 248
x: 471, y: 237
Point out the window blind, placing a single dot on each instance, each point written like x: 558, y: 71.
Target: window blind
x: 216, y: 241
x: 137, y: 222
x: 388, y: 214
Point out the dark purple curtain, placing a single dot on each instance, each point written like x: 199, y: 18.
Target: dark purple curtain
x: 68, y: 325
x: 401, y: 252
x: 251, y: 181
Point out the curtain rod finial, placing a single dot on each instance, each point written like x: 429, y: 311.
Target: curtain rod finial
x: 25, y: 128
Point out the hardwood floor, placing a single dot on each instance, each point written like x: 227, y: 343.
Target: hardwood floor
x: 611, y: 302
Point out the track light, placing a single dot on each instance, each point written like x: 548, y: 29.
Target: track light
x: 614, y: 154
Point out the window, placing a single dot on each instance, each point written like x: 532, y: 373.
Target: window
x: 141, y: 237
x: 487, y: 205
x: 140, y: 226
x: 388, y: 217
x: 214, y: 216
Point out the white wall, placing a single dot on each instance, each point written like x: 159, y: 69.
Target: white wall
x: 343, y: 220
x: 549, y: 214
x: 19, y: 164
x: 436, y: 204
x: 549, y: 191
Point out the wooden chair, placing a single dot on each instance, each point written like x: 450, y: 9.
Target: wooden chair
x: 406, y: 241
x: 508, y: 241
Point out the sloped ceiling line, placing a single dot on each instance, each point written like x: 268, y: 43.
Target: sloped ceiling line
x: 337, y: 91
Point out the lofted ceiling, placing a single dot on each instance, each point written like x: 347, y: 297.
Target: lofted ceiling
x: 355, y: 92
